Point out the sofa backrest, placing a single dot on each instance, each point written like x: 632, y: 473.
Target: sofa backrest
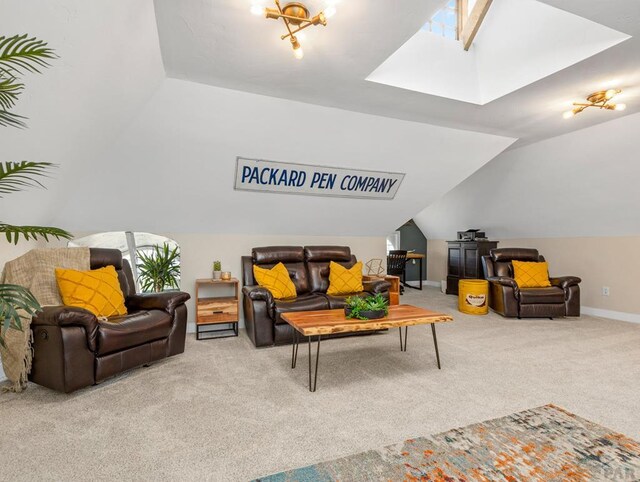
x: 318, y: 259
x: 308, y: 266
x: 501, y: 260
x: 101, y: 257
x: 267, y: 257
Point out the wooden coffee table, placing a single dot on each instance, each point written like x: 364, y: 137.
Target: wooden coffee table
x: 328, y: 322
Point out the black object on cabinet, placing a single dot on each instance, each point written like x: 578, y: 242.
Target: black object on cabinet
x: 464, y: 261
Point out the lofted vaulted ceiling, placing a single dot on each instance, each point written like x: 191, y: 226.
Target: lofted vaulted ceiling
x: 218, y: 42
x: 143, y: 152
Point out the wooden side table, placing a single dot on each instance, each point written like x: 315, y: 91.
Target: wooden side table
x: 394, y: 291
x: 217, y: 310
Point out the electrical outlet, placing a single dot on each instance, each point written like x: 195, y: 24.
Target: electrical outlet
x: 605, y: 291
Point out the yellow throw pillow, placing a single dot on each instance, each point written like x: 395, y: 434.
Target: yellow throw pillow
x: 343, y: 281
x: 276, y: 280
x: 531, y: 274
x: 97, y: 290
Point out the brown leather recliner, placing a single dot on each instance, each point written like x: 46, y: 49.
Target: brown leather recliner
x: 309, y: 270
x: 562, y: 298
x: 74, y: 349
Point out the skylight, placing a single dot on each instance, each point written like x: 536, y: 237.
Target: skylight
x: 445, y: 21
x: 554, y: 39
x: 450, y: 21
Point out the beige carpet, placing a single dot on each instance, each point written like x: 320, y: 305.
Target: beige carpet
x: 226, y: 411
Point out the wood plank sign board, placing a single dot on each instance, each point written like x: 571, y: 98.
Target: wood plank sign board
x: 290, y: 178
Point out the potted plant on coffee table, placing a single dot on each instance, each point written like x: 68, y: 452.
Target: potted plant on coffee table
x: 369, y: 308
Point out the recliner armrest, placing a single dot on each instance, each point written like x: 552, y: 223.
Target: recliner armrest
x: 69, y: 316
x: 258, y: 293
x: 167, y: 301
x: 565, y: 281
x: 504, y: 281
x: 376, y: 286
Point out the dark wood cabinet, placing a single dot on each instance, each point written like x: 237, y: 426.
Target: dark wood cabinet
x: 464, y: 261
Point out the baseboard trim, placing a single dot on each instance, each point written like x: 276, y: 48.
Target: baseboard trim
x: 614, y: 315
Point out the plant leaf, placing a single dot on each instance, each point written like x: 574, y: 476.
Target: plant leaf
x: 22, y: 54
x: 159, y: 269
x: 13, y: 233
x: 12, y: 299
x: 9, y: 119
x: 9, y: 90
x: 15, y: 176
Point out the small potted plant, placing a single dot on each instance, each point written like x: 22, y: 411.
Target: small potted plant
x: 217, y: 269
x: 369, y: 308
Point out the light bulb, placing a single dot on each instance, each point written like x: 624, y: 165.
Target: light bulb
x: 330, y: 11
x: 611, y: 93
x: 621, y: 106
x: 298, y: 53
x: 257, y: 10
x: 568, y: 114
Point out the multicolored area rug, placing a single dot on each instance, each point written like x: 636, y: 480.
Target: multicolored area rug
x: 541, y: 444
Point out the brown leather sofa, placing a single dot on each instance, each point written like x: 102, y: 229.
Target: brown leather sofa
x: 74, y: 349
x: 562, y: 298
x: 309, y: 270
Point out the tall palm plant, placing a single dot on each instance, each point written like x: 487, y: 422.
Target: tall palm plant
x: 20, y: 54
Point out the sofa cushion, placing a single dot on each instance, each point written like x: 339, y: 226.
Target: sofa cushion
x: 530, y: 296
x: 134, y: 329
x: 339, y: 301
x: 308, y: 302
x: 276, y: 280
x: 96, y: 290
x: 319, y: 274
x: 509, y: 254
x: 274, y: 254
x: 327, y: 253
x: 531, y: 274
x: 343, y: 281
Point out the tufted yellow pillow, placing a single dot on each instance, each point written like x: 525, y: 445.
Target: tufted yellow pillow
x: 531, y: 274
x: 97, y: 290
x: 343, y: 281
x: 276, y: 280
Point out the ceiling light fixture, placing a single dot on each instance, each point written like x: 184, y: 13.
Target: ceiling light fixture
x: 598, y: 99
x: 296, y: 18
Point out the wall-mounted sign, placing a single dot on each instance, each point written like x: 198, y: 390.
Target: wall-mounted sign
x: 282, y: 177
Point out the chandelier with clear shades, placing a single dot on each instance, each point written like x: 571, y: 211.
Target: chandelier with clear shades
x: 296, y: 17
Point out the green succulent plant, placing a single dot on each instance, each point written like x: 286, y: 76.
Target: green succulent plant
x: 217, y: 266
x: 357, y: 305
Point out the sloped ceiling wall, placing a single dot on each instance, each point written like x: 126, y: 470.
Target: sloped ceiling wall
x: 138, y: 151
x: 580, y: 184
x: 109, y: 66
x: 173, y: 168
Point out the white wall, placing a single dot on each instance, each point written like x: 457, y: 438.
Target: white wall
x: 173, y: 168
x: 581, y: 184
x: 522, y: 41
x: 109, y: 65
